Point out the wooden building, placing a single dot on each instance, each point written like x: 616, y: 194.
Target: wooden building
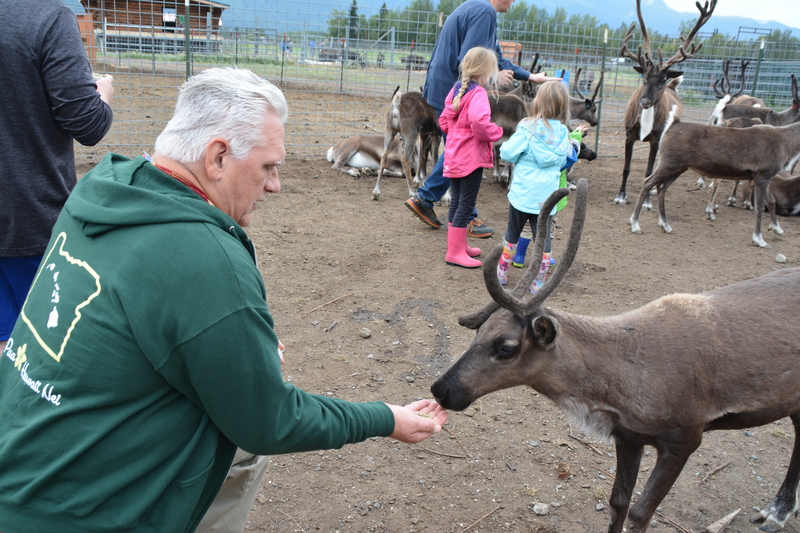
x: 155, y: 25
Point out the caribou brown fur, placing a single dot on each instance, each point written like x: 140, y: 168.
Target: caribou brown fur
x: 658, y: 376
x: 765, y: 114
x: 415, y: 120
x: 784, y: 190
x: 362, y: 154
x: 584, y: 108
x: 756, y: 154
x: 507, y: 110
x: 650, y: 105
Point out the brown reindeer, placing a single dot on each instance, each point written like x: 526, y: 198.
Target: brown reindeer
x: 765, y: 114
x: 659, y: 376
x: 584, y: 108
x: 507, y: 110
x: 651, y: 103
x: 784, y: 190
x: 722, y: 88
x: 359, y: 154
x: 756, y: 153
x: 415, y: 120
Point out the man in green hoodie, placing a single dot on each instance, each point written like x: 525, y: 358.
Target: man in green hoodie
x: 145, y: 354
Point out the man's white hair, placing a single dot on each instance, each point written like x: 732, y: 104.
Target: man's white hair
x: 220, y: 102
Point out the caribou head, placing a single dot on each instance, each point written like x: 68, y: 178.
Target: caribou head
x: 513, y: 331
x: 588, y: 109
x: 655, y: 70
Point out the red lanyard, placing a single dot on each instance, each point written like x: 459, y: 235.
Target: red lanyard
x: 186, y: 182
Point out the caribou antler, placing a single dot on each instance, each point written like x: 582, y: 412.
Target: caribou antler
x: 533, y: 69
x: 577, y: 87
x: 597, y: 88
x: 515, y: 300
x: 682, y: 55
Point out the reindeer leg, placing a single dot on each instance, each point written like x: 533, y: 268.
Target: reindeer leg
x: 774, y: 225
x: 634, y: 221
x: 732, y: 197
x: 759, y: 192
x: 712, y: 209
x: 629, y: 457
x: 651, y: 159
x: 405, y: 158
x: 622, y: 196
x: 672, y: 457
x: 387, y: 141
x: 774, y: 516
x: 662, y: 205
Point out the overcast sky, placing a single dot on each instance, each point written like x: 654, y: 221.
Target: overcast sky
x: 784, y: 11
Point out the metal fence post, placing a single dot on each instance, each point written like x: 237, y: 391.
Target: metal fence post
x: 600, y: 107
x: 188, y: 44
x: 758, y: 67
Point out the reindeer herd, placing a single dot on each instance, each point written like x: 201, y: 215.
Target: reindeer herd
x: 744, y: 140
x: 661, y: 375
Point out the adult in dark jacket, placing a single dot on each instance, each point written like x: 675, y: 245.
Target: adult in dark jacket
x: 146, y: 356
x: 473, y: 23
x: 48, y: 97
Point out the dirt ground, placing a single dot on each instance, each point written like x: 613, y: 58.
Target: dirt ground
x: 368, y: 310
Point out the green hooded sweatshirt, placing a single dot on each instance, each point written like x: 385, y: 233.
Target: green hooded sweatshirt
x: 144, y: 354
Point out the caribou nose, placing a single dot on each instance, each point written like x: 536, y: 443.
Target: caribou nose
x: 647, y: 103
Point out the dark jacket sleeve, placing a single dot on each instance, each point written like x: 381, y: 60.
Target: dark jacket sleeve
x: 76, y: 105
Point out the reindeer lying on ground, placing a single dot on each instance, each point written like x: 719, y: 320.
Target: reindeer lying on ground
x: 651, y: 103
x: 756, y: 154
x: 362, y: 154
x: 659, y: 376
x: 784, y: 189
x: 414, y: 119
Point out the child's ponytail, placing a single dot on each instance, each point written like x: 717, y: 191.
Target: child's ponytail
x: 478, y: 63
x: 464, y: 86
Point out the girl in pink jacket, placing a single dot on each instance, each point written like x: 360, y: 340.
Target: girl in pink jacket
x: 467, y: 123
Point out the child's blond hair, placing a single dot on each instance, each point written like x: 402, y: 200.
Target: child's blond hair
x: 551, y: 102
x: 478, y: 63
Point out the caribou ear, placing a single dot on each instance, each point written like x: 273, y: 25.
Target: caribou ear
x: 544, y: 330
x: 674, y: 73
x: 638, y: 69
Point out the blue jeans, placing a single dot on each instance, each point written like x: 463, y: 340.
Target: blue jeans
x: 436, y: 184
x: 16, y: 277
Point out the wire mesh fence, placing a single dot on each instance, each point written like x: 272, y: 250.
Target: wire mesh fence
x: 339, y: 64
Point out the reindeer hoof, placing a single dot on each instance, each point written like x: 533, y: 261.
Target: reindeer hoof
x: 353, y: 172
x: 636, y: 229
x: 666, y: 227
x: 771, y: 526
x: 376, y: 195
x: 621, y: 199
x: 777, y: 229
x: 758, y: 241
x: 732, y: 202
x: 710, y: 214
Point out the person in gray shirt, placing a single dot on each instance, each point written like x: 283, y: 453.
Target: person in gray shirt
x: 48, y: 97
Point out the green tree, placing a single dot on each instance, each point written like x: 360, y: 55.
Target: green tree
x: 353, y: 20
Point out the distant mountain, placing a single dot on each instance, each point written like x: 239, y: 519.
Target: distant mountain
x: 283, y: 15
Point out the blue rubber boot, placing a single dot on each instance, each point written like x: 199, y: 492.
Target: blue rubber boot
x: 522, y: 248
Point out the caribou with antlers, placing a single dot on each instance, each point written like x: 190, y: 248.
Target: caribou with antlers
x: 651, y: 103
x: 659, y: 376
x: 584, y: 108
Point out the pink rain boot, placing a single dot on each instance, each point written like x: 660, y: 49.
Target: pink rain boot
x: 456, y: 249
x: 505, y: 260
x: 471, y: 250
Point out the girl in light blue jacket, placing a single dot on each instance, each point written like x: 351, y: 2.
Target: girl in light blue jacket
x: 539, y: 150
